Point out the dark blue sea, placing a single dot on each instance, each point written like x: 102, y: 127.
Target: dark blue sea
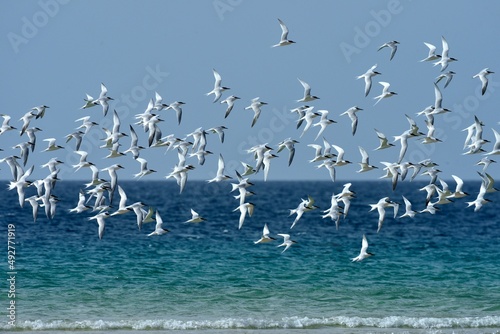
x: 430, y: 274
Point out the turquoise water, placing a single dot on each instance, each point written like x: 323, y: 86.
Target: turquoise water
x: 431, y: 274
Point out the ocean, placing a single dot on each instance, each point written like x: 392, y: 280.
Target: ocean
x: 429, y: 274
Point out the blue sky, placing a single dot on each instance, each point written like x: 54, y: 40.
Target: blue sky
x: 54, y: 52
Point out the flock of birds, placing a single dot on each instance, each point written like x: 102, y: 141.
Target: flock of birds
x: 98, y: 194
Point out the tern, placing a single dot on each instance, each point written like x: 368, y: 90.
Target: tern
x: 176, y: 106
x: 323, y: 122
x: 484, y: 80
x: 363, y: 254
x: 230, y: 104
x: 408, y: 212
x: 385, y: 92
x: 445, y: 59
x: 218, y: 88
x: 80, y: 207
x: 52, y: 145
x: 245, y: 208
x: 40, y: 111
x: 351, y: 112
x: 195, y: 218
x: 287, y: 242
x: 100, y: 217
x: 384, y: 142
x: 265, y: 236
x: 448, y: 76
x: 364, y: 164
x: 393, y: 45
x: 368, y: 75
x: 432, y: 53
x: 380, y: 206
x: 307, y: 92
x: 288, y: 144
x: 103, y: 99
x: 159, y: 229
x: 255, y: 106
x: 220, y: 176
x: 284, y: 36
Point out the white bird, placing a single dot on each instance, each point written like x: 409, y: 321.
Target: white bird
x: 365, y: 163
x: 488, y: 182
x: 218, y: 88
x: 89, y: 102
x: 52, y: 145
x: 408, y: 210
x: 482, y: 75
x: 176, y: 106
x: 30, y: 132
x: 144, y: 168
x: 195, y: 218
x: 24, y: 148
x: 430, y: 208
x: 40, y: 111
x: 384, y: 142
x: 34, y: 205
x: 284, y: 36
x: 432, y: 53
x: 304, y: 206
x: 309, y: 115
x: 140, y: 213
x: 496, y: 146
x: 26, y: 121
x: 393, y: 45
x: 340, y: 156
x: 83, y: 160
x: 289, y: 144
x: 78, y: 136
x: 220, y: 176
x: 122, y: 205
x: 230, y: 104
x: 158, y: 103
x: 287, y: 242
x: 333, y: 211
x: 265, y: 236
x: 103, y: 99
x: 307, y: 92
x: 323, y: 122
x: 159, y: 229
x: 5, y: 125
x: 351, y: 112
x: 438, y: 108
x: 392, y: 173
x: 403, y: 139
x: 368, y: 75
x: 429, y: 138
x: 445, y: 59
x: 219, y: 130
x: 380, y: 207
x: 448, y: 76
x: 255, y: 106
x: 113, y: 178
x: 100, y: 217
x: 385, y: 92
x: 363, y: 254
x: 267, y: 163
x: 80, y: 207
x: 86, y: 123
x: 486, y: 161
x: 245, y: 208
x: 248, y: 169
x: 21, y: 183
